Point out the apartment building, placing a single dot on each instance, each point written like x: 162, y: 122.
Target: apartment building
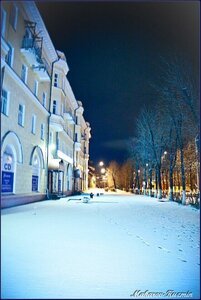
x: 37, y: 109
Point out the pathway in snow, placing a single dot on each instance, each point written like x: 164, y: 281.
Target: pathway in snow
x: 107, y: 248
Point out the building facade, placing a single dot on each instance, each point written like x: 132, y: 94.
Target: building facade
x: 38, y: 110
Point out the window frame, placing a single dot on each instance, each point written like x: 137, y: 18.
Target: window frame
x: 6, y: 112
x: 3, y: 22
x: 44, y: 99
x: 56, y: 79
x: 11, y: 57
x: 35, y: 88
x: 42, y: 131
x: 14, y: 16
x: 54, y: 107
x: 22, y: 114
x: 26, y: 71
x: 33, y: 124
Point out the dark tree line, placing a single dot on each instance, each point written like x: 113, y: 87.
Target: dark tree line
x: 165, y: 130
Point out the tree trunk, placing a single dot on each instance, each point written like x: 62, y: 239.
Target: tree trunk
x: 171, y: 184
x: 156, y: 183
x: 159, y: 195
x: 114, y: 181
x: 150, y: 182
x: 183, y: 177
x: 145, y: 181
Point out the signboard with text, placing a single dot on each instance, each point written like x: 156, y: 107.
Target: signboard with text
x: 7, y: 182
x: 34, y: 183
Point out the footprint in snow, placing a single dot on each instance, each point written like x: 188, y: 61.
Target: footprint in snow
x: 146, y: 243
x: 183, y: 260
x: 180, y: 250
x: 164, y: 249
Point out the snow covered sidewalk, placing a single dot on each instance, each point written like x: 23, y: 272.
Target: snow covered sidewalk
x: 111, y: 247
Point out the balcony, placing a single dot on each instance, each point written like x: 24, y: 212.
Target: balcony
x: 77, y: 146
x: 69, y: 117
x: 32, y: 53
x: 56, y: 122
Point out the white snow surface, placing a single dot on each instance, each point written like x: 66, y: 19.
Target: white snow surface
x: 110, y: 247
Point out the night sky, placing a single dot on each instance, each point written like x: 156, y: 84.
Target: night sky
x: 113, y: 51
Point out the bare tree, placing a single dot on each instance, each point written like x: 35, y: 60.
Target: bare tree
x: 180, y: 96
x: 113, y: 174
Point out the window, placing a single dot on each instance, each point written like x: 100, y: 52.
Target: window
x: 36, y: 88
x: 76, y: 137
x: 21, y: 111
x: 14, y: 16
x: 44, y: 99
x: 56, y: 76
x: 3, y: 22
x: 4, y: 102
x: 24, y: 73
x: 54, y: 111
x: 42, y: 131
x: 9, y: 56
x: 33, y: 124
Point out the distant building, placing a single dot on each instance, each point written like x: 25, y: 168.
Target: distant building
x: 38, y: 111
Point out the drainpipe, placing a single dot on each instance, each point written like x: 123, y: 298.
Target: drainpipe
x: 48, y: 127
x: 74, y: 150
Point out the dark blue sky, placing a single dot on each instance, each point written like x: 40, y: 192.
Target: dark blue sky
x: 113, y: 51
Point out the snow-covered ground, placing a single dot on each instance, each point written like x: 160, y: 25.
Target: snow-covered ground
x: 108, y: 248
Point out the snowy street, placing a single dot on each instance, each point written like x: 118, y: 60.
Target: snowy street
x: 108, y: 248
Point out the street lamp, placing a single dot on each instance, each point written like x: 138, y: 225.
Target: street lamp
x: 103, y: 170
x: 101, y: 163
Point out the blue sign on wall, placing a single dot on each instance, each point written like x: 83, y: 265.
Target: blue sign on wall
x: 34, y: 183
x: 7, y: 182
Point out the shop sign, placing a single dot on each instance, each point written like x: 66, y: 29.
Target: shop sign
x: 34, y: 183
x: 7, y: 182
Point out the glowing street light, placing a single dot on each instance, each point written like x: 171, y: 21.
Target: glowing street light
x: 101, y: 163
x: 103, y: 170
